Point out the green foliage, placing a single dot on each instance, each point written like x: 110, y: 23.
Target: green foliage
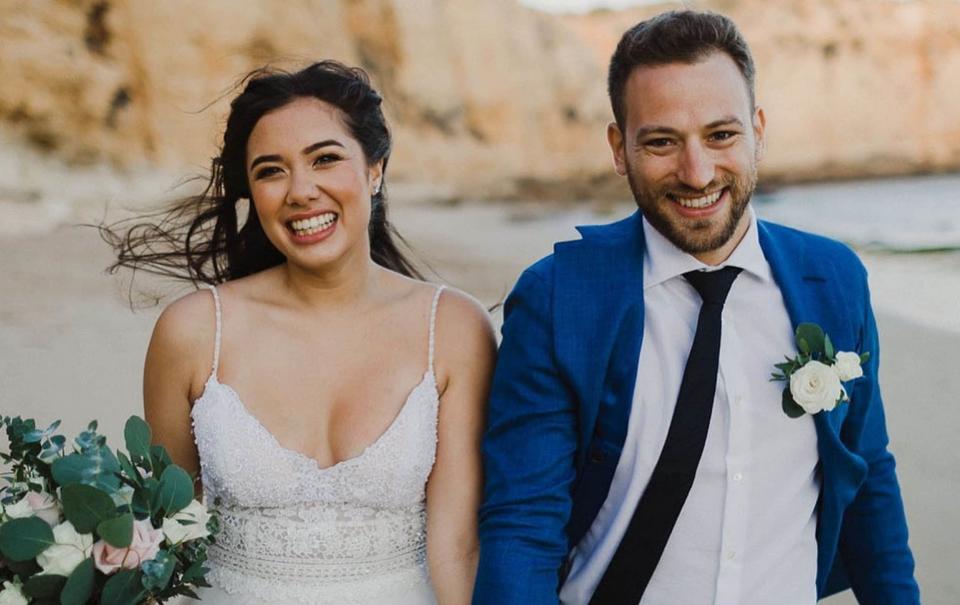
x: 123, y: 588
x: 79, y: 585
x: 790, y: 407
x: 131, y: 474
x: 160, y: 459
x: 117, y: 531
x: 175, y: 490
x: 23, y: 539
x: 194, y: 571
x: 86, y: 507
x: 829, y: 354
x: 44, y: 586
x: 94, y: 466
x: 137, y: 435
x: 158, y: 571
x: 810, y: 339
x: 103, y: 493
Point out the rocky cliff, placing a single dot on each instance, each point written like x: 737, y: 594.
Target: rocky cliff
x: 850, y: 88
x: 486, y: 98
x: 479, y: 94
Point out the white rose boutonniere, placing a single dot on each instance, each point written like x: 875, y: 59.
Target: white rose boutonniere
x: 816, y: 375
x: 848, y: 366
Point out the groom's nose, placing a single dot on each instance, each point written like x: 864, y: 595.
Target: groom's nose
x: 697, y: 166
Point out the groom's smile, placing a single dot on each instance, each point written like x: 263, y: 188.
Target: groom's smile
x: 689, y: 147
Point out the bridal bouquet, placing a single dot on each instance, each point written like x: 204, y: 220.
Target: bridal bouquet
x: 94, y: 526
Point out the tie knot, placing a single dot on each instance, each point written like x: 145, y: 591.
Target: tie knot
x: 713, y: 286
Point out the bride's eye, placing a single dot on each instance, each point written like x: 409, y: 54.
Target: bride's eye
x: 325, y: 158
x: 265, y: 172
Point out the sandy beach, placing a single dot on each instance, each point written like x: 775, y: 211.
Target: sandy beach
x: 71, y: 348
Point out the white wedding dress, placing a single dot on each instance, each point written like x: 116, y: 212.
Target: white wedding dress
x: 293, y: 532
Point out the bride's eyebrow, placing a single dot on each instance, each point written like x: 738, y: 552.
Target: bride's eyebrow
x: 311, y: 148
x: 306, y: 151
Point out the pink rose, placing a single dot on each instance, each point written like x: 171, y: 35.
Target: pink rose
x: 44, y: 506
x: 146, y: 543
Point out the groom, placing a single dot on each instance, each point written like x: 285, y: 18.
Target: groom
x: 637, y: 451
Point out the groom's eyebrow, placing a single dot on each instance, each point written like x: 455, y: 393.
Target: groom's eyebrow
x: 645, y: 131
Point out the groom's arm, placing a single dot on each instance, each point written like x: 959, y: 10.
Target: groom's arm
x: 529, y: 450
x: 873, y: 539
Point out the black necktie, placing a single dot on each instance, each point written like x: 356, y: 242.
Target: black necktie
x: 645, y: 538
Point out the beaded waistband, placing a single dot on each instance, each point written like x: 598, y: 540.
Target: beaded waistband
x: 319, y: 543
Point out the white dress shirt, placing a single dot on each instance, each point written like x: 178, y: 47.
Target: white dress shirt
x: 747, y: 532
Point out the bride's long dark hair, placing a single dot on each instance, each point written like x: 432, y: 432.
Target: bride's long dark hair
x: 199, y: 238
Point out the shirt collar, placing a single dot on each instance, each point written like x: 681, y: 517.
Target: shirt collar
x: 664, y: 261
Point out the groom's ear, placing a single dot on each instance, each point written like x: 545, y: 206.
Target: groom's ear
x: 615, y: 139
x: 759, y: 132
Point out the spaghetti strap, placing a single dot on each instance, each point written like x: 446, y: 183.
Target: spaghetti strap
x: 433, y: 326
x: 216, y: 343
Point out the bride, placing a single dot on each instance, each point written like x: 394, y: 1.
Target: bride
x: 330, y: 401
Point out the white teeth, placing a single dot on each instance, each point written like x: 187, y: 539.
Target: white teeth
x: 314, y: 224
x: 699, y: 202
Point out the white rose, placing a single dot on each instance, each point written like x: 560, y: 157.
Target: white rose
x: 195, y: 516
x: 816, y: 387
x: 12, y: 595
x: 848, y: 366
x: 20, y: 510
x: 44, y: 506
x: 68, y: 551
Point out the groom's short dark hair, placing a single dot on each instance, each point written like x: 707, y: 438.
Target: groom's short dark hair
x: 676, y: 36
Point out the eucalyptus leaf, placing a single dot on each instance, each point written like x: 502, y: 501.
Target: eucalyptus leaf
x: 118, y: 531
x: 813, y: 337
x: 97, y: 467
x: 129, y: 470
x: 195, y: 571
x: 142, y: 497
x: 158, y: 571
x: 24, y: 539
x: 791, y: 407
x: 137, y: 435
x: 188, y: 592
x: 79, y: 585
x: 22, y: 568
x: 70, y: 469
x: 44, y: 586
x: 160, y: 459
x: 123, y: 588
x: 86, y: 506
x: 176, y: 490
x: 829, y: 352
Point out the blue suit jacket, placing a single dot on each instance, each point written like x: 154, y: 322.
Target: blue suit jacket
x: 561, y: 397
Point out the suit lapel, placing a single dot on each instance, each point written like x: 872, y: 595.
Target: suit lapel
x: 599, y: 325
x: 812, y: 293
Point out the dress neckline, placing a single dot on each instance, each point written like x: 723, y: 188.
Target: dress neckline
x: 428, y: 380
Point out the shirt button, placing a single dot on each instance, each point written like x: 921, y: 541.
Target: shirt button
x: 731, y: 555
x: 739, y: 400
x: 738, y: 476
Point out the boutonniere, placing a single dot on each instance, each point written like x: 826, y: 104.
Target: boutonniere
x: 816, y: 375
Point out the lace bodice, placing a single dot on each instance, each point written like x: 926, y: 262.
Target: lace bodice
x: 294, y: 531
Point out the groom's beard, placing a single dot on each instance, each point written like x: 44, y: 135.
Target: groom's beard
x: 695, y: 236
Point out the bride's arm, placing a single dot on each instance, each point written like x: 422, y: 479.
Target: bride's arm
x: 465, y: 352
x: 170, y: 376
